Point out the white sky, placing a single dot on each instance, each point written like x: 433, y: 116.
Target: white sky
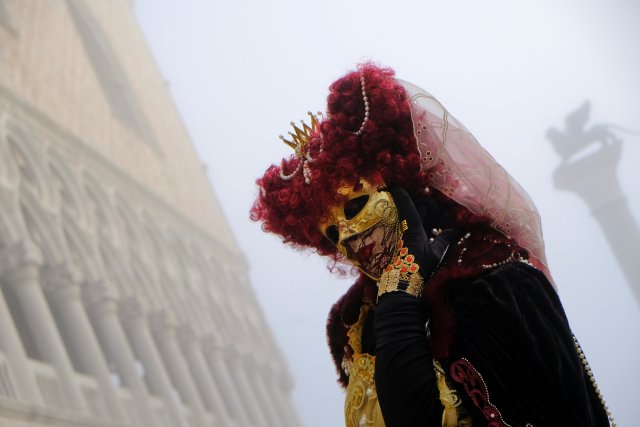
x: 240, y: 71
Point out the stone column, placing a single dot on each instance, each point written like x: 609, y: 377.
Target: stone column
x: 595, y: 180
x: 266, y: 402
x: 22, y: 261
x: 232, y: 397
x: 62, y: 285
x: 280, y: 384
x: 202, y: 375
x: 163, y: 327
x: 11, y: 346
x: 101, y: 303
x: 133, y: 315
x: 251, y: 400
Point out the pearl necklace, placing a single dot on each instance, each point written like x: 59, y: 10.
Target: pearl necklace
x: 589, y: 372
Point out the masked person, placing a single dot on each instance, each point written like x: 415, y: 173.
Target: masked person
x: 454, y: 319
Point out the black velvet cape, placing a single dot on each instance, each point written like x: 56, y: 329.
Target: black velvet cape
x: 512, y: 349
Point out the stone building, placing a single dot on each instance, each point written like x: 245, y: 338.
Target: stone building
x: 124, y: 298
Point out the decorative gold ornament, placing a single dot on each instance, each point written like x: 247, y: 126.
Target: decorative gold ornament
x: 402, y: 274
x: 299, y: 142
x: 300, y: 139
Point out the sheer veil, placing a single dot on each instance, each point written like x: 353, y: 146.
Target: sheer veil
x: 459, y: 167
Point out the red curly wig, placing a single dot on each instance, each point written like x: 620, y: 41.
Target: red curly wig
x: 384, y: 153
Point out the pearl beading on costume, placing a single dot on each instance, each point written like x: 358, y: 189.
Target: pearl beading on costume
x: 288, y: 177
x: 464, y: 249
x: 366, y: 106
x: 306, y: 172
x: 592, y: 378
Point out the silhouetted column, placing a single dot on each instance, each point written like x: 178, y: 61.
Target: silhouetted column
x: 61, y: 283
x: 11, y: 346
x: 163, y: 326
x: 595, y: 180
x: 22, y: 272
x: 251, y: 399
x: 256, y: 382
x: 102, y: 307
x: 135, y: 323
x: 278, y: 381
x: 231, y: 396
x: 202, y: 376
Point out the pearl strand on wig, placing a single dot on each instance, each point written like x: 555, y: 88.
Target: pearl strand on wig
x: 366, y: 106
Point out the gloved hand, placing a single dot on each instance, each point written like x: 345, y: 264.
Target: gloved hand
x: 419, y: 256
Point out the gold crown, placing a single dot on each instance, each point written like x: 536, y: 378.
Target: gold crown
x: 300, y: 138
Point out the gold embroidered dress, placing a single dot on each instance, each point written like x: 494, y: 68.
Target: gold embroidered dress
x: 362, y: 408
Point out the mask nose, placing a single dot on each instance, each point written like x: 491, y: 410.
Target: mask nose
x: 344, y: 230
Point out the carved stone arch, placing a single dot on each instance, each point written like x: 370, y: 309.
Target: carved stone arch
x: 128, y: 223
x: 195, y: 254
x: 112, y: 264
x: 82, y: 253
x: 100, y: 210
x: 194, y: 288
x: 137, y: 247
x: 130, y: 227
x: 11, y: 221
x: 43, y: 229
x: 68, y: 194
x: 143, y: 283
x: 176, y: 284
x: 157, y: 243
x: 219, y: 288
x: 218, y: 281
x: 27, y: 153
x: 8, y: 168
x: 184, y: 261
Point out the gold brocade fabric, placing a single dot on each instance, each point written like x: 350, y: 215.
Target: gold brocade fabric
x: 361, y: 406
x: 361, y: 401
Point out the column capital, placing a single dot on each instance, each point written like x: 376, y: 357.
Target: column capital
x: 100, y: 297
x: 21, y: 259
x: 132, y: 308
x: 62, y: 281
x: 213, y: 344
x: 187, y: 337
x: 163, y: 322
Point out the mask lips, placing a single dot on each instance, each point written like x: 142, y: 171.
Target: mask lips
x: 373, y: 250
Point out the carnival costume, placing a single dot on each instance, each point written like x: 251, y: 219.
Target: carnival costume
x: 454, y: 319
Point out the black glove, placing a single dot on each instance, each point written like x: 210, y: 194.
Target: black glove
x: 419, y: 255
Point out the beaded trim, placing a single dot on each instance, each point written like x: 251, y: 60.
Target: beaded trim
x: 592, y: 378
x: 463, y: 372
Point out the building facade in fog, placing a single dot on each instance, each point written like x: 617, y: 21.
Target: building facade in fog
x: 124, y: 298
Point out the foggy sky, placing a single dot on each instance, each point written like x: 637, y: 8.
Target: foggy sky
x: 241, y: 71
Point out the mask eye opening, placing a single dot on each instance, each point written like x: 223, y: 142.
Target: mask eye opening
x: 354, y: 206
x: 332, y: 234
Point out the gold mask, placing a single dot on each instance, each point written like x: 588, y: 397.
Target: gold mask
x: 364, y: 227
